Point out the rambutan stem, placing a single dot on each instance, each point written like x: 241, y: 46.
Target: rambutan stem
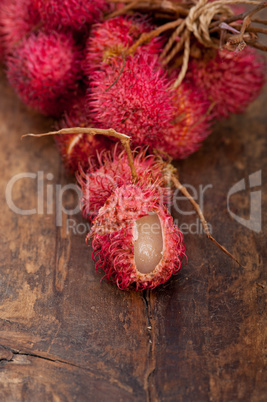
x: 258, y: 45
x: 243, y: 15
x: 196, y: 207
x: 110, y: 132
x: 253, y: 29
x: 147, y: 37
x: 259, y: 21
x: 120, y: 73
x: 127, y: 148
x: 200, y: 20
x: 124, y: 9
x: 163, y: 7
x: 185, y: 61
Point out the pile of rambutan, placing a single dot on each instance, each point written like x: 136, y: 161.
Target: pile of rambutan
x: 104, y: 64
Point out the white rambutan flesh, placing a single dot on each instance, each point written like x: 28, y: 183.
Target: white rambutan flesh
x: 135, y: 240
x: 148, y: 246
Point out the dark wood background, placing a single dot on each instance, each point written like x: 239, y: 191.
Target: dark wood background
x: 65, y: 336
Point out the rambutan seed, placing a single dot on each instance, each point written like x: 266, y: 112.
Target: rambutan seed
x: 135, y: 240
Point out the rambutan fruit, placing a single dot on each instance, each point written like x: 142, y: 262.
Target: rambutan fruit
x: 191, y: 123
x: 73, y: 14
x: 113, y: 37
x: 139, y: 105
x: 114, y: 171
x: 44, y: 70
x: 144, y: 105
x: 231, y: 80
x: 77, y: 149
x: 17, y: 19
x: 135, y: 240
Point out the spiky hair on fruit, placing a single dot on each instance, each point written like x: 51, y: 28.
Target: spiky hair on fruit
x: 144, y: 105
x: 44, y: 70
x: 113, y: 37
x: 139, y: 105
x: 232, y: 80
x: 98, y: 185
x: 17, y: 19
x: 135, y: 241
x: 191, y: 122
x: 79, y: 150
x: 73, y: 14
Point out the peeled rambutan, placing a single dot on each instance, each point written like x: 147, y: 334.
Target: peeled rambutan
x: 231, y: 80
x: 135, y: 240
x: 113, y: 37
x: 17, y: 19
x: 114, y: 171
x: 77, y: 150
x: 191, y: 123
x: 139, y: 105
x: 72, y: 14
x: 44, y: 70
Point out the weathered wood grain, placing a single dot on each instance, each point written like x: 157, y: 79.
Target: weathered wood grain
x: 66, y: 336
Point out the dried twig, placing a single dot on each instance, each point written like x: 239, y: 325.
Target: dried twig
x: 147, y: 37
x: 196, y: 207
x: 203, y: 20
x: 125, y: 140
x: 120, y: 73
x: 259, y: 21
x: 123, y: 10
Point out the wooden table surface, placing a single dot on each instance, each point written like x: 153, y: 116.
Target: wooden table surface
x: 65, y: 336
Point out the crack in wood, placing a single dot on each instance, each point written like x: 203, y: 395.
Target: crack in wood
x: 5, y: 354
x: 8, y: 321
x: 18, y: 352
x: 64, y: 362
x: 150, y: 349
x: 62, y: 248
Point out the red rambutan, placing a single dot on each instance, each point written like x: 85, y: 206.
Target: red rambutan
x: 44, y: 70
x: 139, y: 105
x: 73, y: 14
x: 77, y: 149
x: 17, y: 19
x: 232, y: 80
x: 113, y: 37
x: 144, y: 105
x: 99, y: 184
x: 135, y: 240
x: 191, y: 123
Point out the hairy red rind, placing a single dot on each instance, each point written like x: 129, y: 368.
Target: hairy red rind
x: 44, y: 70
x: 113, y: 240
x: 98, y: 184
